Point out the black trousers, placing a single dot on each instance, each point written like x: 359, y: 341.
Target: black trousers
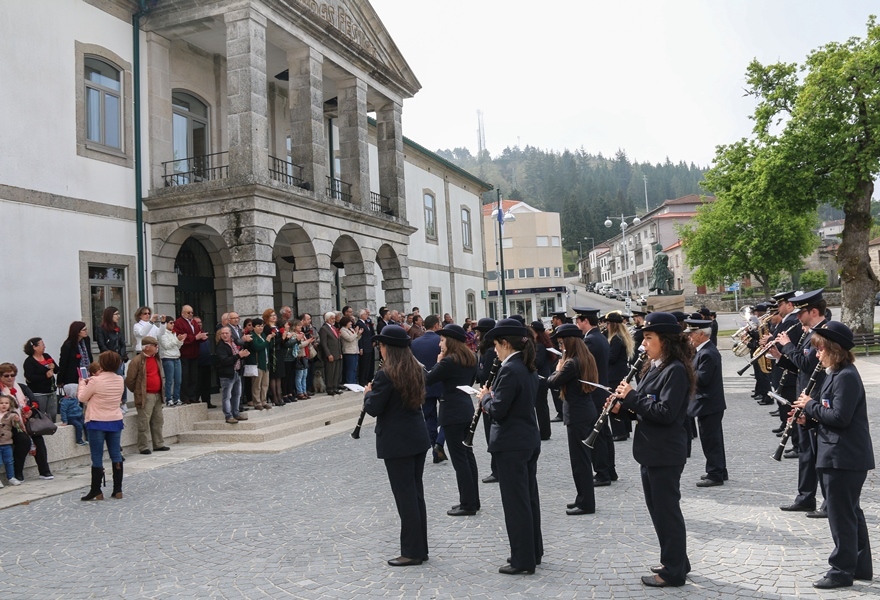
x: 542, y: 410
x: 762, y: 381
x: 189, y: 385
x: 662, y: 497
x: 808, y: 477
x: 487, y: 427
x: 851, y: 557
x: 205, y: 373
x: 21, y: 446
x: 557, y: 402
x: 517, y: 479
x: 465, y: 464
x: 405, y: 477
x: 712, y: 441
x: 603, y: 456
x: 581, y: 460
x: 365, y: 368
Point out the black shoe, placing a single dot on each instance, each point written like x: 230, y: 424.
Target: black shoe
x: 797, y: 508
x: 537, y: 560
x: 599, y: 483
x: 556, y: 419
x: 490, y: 479
x: 508, y: 570
x: 826, y: 583
x: 656, y: 581
x: 779, y: 429
x: 402, y: 561
x: 162, y: 449
x: 790, y: 453
x: 817, y: 514
x: 571, y: 505
x: 461, y: 512
x: 709, y: 483
x: 765, y: 402
x: 579, y: 511
x: 620, y: 438
x: 707, y: 477
x: 441, y: 454
x: 657, y: 569
x: 211, y: 405
x: 774, y: 413
x: 146, y: 451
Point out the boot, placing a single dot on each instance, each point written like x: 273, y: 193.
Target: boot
x: 95, y: 492
x: 117, y: 481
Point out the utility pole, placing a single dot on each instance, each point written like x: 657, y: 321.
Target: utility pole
x: 645, y: 177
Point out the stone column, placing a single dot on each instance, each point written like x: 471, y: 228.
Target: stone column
x: 396, y: 283
x: 248, y: 119
x: 159, y: 95
x: 314, y: 286
x: 252, y: 269
x: 360, y: 283
x: 308, y: 147
x: 390, y: 146
x: 353, y: 155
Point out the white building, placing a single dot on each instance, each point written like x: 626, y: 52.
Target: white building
x: 271, y: 166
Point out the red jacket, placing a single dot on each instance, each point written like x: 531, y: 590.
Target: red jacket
x: 190, y: 348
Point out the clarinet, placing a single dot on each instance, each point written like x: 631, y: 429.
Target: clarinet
x: 356, y: 434
x: 469, y: 438
x: 764, y: 350
x: 797, y: 414
x: 606, y: 412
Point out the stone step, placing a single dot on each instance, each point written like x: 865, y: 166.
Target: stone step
x: 261, y: 419
x: 273, y: 429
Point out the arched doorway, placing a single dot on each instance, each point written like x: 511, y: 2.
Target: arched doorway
x: 195, y: 283
x: 350, y: 275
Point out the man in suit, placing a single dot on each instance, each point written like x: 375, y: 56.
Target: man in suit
x: 383, y: 319
x: 587, y: 320
x: 366, y: 363
x: 330, y: 350
x: 787, y: 387
x: 810, y: 309
x: 708, y: 405
x: 189, y: 354
x: 426, y: 348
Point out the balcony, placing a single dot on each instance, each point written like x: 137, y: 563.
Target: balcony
x: 196, y: 169
x: 286, y: 172
x: 338, y: 189
x: 380, y: 204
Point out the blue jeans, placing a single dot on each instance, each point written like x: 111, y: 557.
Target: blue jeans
x: 77, y: 423
x: 96, y: 446
x: 173, y: 377
x: 302, y: 376
x: 6, y: 456
x: 349, y: 368
x: 230, y: 392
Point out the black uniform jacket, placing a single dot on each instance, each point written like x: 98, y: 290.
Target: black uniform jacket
x: 618, y: 361
x: 795, y: 336
x: 578, y: 406
x: 484, y: 365
x: 542, y: 360
x: 400, y: 431
x: 512, y: 407
x: 660, y: 404
x: 802, y: 355
x: 709, y: 396
x: 598, y: 346
x: 426, y: 348
x: 456, y: 406
x: 841, y: 411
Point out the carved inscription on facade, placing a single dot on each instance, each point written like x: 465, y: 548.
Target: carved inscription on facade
x: 338, y: 17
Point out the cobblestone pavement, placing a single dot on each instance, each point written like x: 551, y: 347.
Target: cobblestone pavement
x: 318, y: 522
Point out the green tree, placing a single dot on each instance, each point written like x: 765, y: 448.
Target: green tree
x: 817, y: 139
x: 813, y: 280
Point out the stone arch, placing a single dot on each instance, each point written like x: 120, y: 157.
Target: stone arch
x: 353, y: 278
x: 165, y: 278
x: 296, y: 282
x: 395, y: 277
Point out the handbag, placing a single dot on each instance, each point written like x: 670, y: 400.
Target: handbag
x: 250, y: 370
x: 40, y: 424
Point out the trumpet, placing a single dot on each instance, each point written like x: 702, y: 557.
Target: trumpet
x: 606, y: 412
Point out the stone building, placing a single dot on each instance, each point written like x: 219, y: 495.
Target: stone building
x: 259, y: 161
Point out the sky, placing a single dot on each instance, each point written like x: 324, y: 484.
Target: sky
x: 657, y: 78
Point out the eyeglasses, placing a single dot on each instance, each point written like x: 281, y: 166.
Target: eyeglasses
x: 7, y: 375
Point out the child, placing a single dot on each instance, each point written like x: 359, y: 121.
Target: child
x: 8, y: 420
x: 72, y: 412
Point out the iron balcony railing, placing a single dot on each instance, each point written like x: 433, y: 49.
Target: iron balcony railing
x: 287, y: 172
x: 381, y: 204
x: 195, y: 169
x: 338, y: 189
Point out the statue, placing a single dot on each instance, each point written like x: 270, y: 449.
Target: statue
x: 661, y: 276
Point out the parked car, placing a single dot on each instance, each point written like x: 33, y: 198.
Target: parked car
x: 641, y: 300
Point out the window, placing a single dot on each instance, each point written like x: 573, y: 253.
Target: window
x: 555, y: 240
x: 435, y: 303
x: 526, y: 273
x: 106, y: 288
x: 491, y: 275
x: 544, y: 272
x: 430, y: 223
x: 557, y: 271
x: 190, y: 141
x: 546, y: 307
x: 508, y: 273
x: 103, y: 96
x: 471, y: 305
x: 542, y: 241
x: 466, y: 229
x: 507, y: 242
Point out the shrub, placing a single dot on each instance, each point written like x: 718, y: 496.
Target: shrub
x: 813, y: 280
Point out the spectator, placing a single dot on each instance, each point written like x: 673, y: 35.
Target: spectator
x: 275, y: 355
x: 169, y: 351
x: 21, y: 441
x: 259, y: 356
x: 366, y: 360
x: 189, y: 354
x: 229, y: 358
x: 101, y: 394
x: 311, y: 352
x: 145, y: 324
x: 9, y: 421
x: 350, y: 337
x: 290, y: 353
x: 472, y: 342
x: 145, y: 379
x: 76, y: 352
x: 110, y: 337
x: 301, y: 365
x: 39, y: 372
x: 205, y: 362
x: 447, y: 319
x: 417, y: 329
x: 72, y: 412
x: 330, y: 350
x: 247, y: 381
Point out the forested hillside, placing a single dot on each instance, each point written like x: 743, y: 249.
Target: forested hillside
x: 582, y: 187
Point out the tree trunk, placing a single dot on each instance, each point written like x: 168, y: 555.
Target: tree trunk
x: 858, y: 281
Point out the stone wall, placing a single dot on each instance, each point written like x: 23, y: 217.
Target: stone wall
x: 714, y: 301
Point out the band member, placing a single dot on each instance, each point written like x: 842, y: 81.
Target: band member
x: 545, y: 362
x: 516, y: 443
x: 485, y: 359
x: 845, y: 454
x: 661, y: 438
x: 457, y: 365
x: 638, y: 318
x: 578, y: 411
x: 787, y: 388
x: 762, y: 379
x: 810, y: 309
x: 395, y: 398
x: 556, y: 319
x: 708, y: 405
x: 426, y: 348
x: 587, y: 321
x: 621, y: 350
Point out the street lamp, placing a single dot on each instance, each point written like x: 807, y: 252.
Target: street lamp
x: 623, y: 226
x: 502, y: 217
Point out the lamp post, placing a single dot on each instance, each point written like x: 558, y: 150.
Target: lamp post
x: 623, y: 227
x: 502, y: 217
x: 591, y: 254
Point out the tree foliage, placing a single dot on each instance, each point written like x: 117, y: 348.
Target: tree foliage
x: 813, y: 280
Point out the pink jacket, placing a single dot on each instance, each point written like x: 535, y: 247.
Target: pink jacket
x: 102, y: 395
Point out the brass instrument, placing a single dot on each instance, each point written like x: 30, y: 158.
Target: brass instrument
x: 764, y: 362
x: 742, y: 336
x: 760, y: 352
